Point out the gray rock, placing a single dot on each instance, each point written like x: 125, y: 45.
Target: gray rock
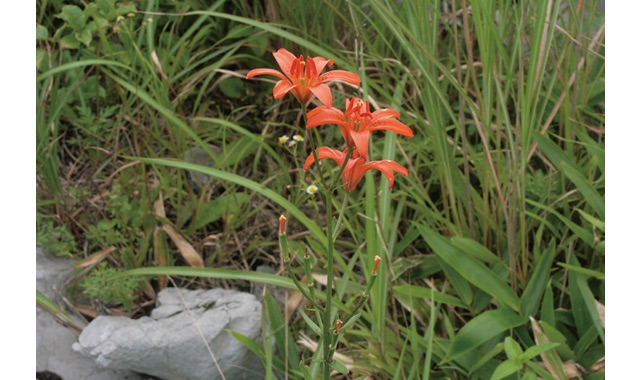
x: 172, y: 343
x: 53, y: 340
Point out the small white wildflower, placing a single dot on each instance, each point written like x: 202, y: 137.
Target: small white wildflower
x: 312, y: 189
x: 298, y: 138
x: 283, y: 139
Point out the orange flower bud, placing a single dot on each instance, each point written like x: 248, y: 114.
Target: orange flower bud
x: 377, y: 260
x: 338, y: 325
x: 283, y: 220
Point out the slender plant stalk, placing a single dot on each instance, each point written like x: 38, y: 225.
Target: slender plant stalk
x: 326, y: 323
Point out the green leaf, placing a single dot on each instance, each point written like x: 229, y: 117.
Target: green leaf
x: 74, y: 16
x: 512, y: 348
x: 314, y: 327
x: 84, y: 36
x: 339, y: 367
x: 263, y: 278
x: 540, y: 371
x: 480, y: 362
x: 476, y: 250
x: 547, y: 313
x: 481, y: 329
x: 599, y: 224
x: 587, y: 272
x: 583, y: 297
x: 536, y: 350
x: 351, y: 321
x: 77, y: 64
x: 107, y: 7
x: 459, y: 283
x: 556, y: 336
x: 505, y: 369
x: 248, y: 343
x: 421, y: 292
x: 69, y: 42
x: 46, y: 304
x: 41, y: 32
x: 124, y: 9
x: 470, y: 268
x: 530, y: 301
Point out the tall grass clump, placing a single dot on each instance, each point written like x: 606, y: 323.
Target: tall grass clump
x: 492, y: 247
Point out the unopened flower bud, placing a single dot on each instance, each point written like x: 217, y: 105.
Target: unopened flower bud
x: 338, y: 325
x: 283, y: 220
x: 377, y: 260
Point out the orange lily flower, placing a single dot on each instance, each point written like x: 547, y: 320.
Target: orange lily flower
x: 357, y: 166
x: 302, y: 78
x: 357, y: 122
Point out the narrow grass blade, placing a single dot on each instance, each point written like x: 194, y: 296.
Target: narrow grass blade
x: 263, y: 278
x: 75, y: 65
x: 587, y: 272
x: 420, y: 292
x: 530, y: 300
x: 248, y: 343
x: 505, y: 369
x: 46, y: 304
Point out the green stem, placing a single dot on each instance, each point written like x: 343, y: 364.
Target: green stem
x: 307, y: 271
x: 326, y: 323
x: 344, y: 207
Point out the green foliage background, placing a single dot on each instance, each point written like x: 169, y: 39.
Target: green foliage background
x: 493, y: 246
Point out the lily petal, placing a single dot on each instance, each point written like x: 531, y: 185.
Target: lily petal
x: 273, y: 72
x: 322, y: 92
x: 282, y: 88
x: 321, y: 63
x: 324, y: 115
x: 284, y: 58
x: 325, y: 152
x: 384, y: 113
x: 342, y: 75
x: 387, y: 167
x: 361, y: 141
x: 391, y: 125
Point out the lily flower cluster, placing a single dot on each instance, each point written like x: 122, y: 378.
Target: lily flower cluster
x: 304, y: 80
